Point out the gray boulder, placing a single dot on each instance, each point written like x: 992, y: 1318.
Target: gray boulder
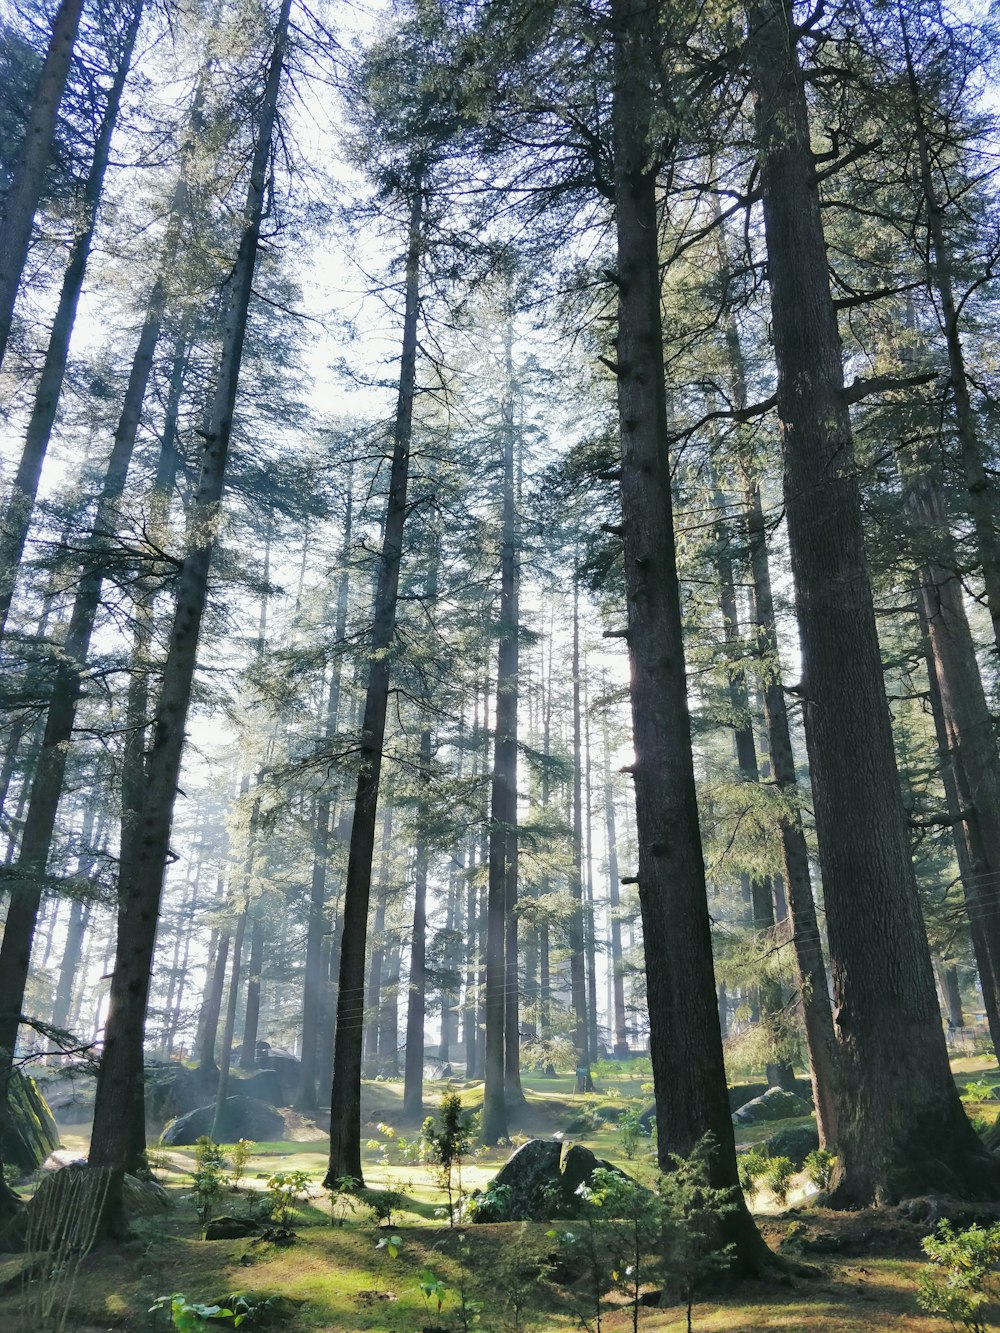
x: 244, y: 1118
x: 538, y: 1182
x: 775, y: 1104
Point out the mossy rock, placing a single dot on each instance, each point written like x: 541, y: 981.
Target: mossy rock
x: 539, y: 1182
x: 795, y: 1142
x: 775, y: 1104
x: 29, y: 1133
x: 243, y: 1118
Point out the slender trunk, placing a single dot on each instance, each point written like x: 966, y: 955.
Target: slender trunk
x: 229, y: 1028
x: 685, y: 1040
x: 213, y: 1004
x: 902, y: 1128
x: 345, y: 1094
x: 980, y: 489
x: 141, y: 894
x: 614, y: 900
x: 810, y: 966
x: 20, y: 506
x: 590, y: 928
x: 251, y: 1020
x: 575, y: 933
x: 373, y: 995
x: 416, y: 1007
x: 313, y: 991
x: 952, y: 995
x: 502, y: 1036
x: 29, y: 174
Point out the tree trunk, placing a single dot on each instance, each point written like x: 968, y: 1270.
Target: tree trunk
x: 373, y: 995
x: 229, y: 1028
x: 902, y: 1129
x: 980, y: 490
x: 29, y: 174
x: 345, y: 1094
x: 141, y: 894
x: 213, y: 1004
x: 685, y: 1040
x: 251, y: 1020
x: 20, y: 506
x: 614, y: 902
x: 502, y: 1036
x: 575, y: 932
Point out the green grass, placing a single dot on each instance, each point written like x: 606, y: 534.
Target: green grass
x: 340, y: 1281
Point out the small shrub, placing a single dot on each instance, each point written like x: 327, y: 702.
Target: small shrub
x: 964, y: 1280
x: 630, y: 1133
x: 238, y: 1161
x: 208, y: 1182
x: 752, y: 1166
x: 778, y: 1177
x: 979, y: 1091
x: 343, y: 1193
x: 284, y: 1190
x: 819, y: 1168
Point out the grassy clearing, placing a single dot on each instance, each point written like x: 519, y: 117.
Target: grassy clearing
x: 338, y: 1279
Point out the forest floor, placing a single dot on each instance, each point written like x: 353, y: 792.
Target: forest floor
x: 344, y: 1273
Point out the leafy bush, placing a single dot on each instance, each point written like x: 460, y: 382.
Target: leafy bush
x: 964, y: 1280
x: 284, y: 1190
x: 794, y: 1141
x: 979, y: 1091
x: 752, y: 1166
x: 819, y: 1167
x: 778, y: 1177
x: 630, y: 1132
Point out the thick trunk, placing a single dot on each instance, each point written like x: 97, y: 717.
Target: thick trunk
x: 20, y: 506
x: 685, y: 1040
x: 902, y: 1128
x: 141, y: 893
x: 29, y: 174
x: 345, y: 1094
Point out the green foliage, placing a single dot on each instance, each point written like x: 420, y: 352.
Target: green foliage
x: 631, y: 1234
x: 343, y: 1194
x: 433, y: 1289
x: 391, y: 1244
x: 383, y: 1203
x: 190, y: 1316
x: 238, y: 1159
x: 448, y: 1137
x: 284, y: 1190
x: 630, y: 1132
x: 963, y: 1281
x: 778, y: 1177
x: 208, y: 1181
x: 819, y: 1167
x: 752, y: 1166
x: 978, y: 1091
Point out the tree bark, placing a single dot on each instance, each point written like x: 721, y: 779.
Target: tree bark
x: 614, y: 902
x: 980, y: 490
x: 345, y: 1094
x: 21, y: 504
x: 29, y: 175
x: 575, y: 931
x: 501, y: 970
x: 902, y: 1129
x: 685, y: 1040
x: 117, y: 1084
